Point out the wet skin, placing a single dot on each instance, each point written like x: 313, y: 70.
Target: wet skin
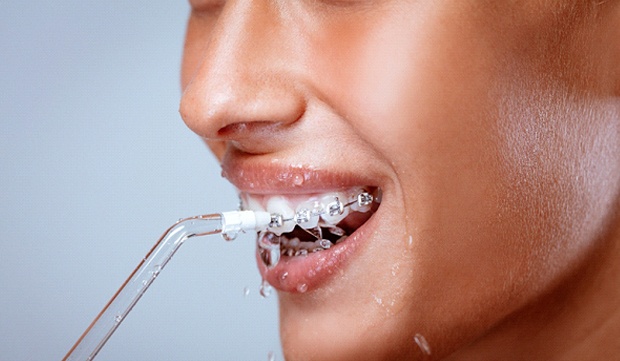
x: 493, y: 128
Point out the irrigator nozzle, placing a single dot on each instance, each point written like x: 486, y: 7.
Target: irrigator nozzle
x: 244, y: 221
x: 228, y: 224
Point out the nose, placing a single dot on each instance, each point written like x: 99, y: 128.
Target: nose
x: 245, y: 75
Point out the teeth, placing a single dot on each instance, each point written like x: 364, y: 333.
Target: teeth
x: 316, y: 214
x: 330, y: 208
x: 278, y: 205
x: 363, y: 202
x: 251, y: 203
x: 335, y: 210
x: 294, y: 243
x: 307, y: 214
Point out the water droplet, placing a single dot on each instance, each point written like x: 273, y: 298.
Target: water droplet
x: 271, y: 356
x: 118, y: 318
x: 377, y: 299
x: 302, y: 288
x: 246, y: 291
x: 410, y: 240
x: 229, y: 236
x: 335, y: 230
x: 269, y: 248
x: 298, y: 179
x: 395, y: 268
x: 422, y: 343
x: 325, y: 243
x: 156, y: 271
x: 284, y: 275
x: 265, y: 289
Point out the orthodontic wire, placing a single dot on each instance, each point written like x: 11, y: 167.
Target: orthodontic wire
x: 275, y: 222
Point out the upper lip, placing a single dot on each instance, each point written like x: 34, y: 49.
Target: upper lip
x: 251, y: 175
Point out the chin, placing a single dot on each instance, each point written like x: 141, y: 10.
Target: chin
x: 318, y: 334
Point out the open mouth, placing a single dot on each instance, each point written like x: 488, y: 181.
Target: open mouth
x: 304, y: 224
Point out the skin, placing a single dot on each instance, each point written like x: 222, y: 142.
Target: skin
x: 493, y: 128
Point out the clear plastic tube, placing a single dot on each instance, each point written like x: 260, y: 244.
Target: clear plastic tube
x: 130, y: 292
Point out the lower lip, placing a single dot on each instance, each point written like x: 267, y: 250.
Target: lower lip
x: 301, y: 274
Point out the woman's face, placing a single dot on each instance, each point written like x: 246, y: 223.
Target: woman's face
x: 486, y: 124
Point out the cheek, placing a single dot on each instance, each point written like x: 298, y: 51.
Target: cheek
x: 507, y: 181
x: 407, y: 83
x: 560, y: 165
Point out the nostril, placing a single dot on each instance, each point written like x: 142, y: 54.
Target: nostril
x: 243, y: 129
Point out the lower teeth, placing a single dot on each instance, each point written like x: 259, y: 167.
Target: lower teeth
x: 303, y: 248
x: 270, y: 243
x: 272, y: 246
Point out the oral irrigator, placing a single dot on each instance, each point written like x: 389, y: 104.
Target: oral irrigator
x: 228, y: 224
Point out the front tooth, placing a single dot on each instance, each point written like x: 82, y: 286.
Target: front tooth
x: 250, y: 203
x: 307, y: 214
x: 334, y: 210
x: 279, y: 205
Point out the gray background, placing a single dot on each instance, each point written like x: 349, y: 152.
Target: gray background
x: 95, y: 163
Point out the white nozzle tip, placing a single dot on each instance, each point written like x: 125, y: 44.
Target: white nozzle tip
x: 244, y: 221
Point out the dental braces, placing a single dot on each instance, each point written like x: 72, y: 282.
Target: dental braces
x: 332, y: 209
x: 272, y: 246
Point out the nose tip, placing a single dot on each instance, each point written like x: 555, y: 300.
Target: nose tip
x: 215, y: 104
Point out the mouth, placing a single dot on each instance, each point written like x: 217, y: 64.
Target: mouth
x: 310, y: 234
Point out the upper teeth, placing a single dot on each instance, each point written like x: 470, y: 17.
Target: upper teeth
x: 278, y: 205
x: 305, y: 211
x: 334, y: 209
